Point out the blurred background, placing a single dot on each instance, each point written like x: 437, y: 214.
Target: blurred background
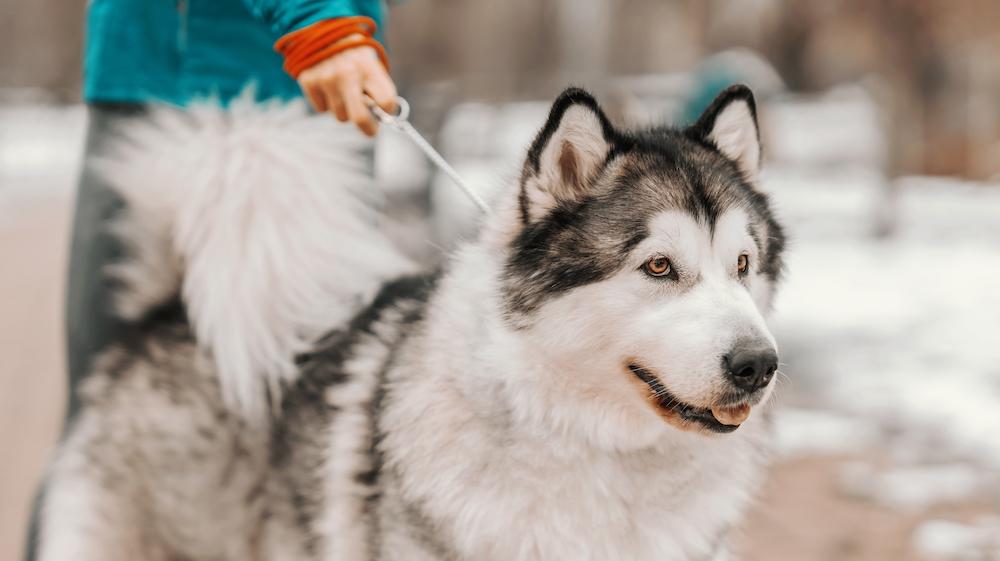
x: 881, y: 126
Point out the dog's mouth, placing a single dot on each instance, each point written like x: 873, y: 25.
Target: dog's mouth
x: 723, y: 418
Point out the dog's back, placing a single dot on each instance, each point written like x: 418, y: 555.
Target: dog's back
x: 156, y: 466
x: 159, y: 466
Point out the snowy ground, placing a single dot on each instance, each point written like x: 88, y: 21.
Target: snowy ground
x: 890, y: 342
x: 40, y: 149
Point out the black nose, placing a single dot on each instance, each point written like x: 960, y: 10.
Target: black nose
x: 751, y: 367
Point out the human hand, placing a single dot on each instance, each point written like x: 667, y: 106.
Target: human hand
x: 338, y: 84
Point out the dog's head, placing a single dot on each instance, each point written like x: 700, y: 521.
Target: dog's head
x: 638, y: 265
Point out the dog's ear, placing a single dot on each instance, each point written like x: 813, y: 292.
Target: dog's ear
x: 730, y: 124
x: 566, y: 155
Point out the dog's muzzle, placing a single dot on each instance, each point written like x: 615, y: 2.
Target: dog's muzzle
x: 750, y: 366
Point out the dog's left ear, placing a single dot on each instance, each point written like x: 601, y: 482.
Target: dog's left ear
x: 730, y: 124
x: 566, y: 155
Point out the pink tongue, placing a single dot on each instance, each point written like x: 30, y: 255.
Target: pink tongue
x: 732, y: 415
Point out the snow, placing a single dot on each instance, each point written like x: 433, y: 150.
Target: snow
x: 902, y: 330
x: 400, y: 166
x: 801, y: 432
x: 913, y: 487
x: 40, y: 149
x: 944, y: 540
x: 485, y: 144
x: 842, y: 125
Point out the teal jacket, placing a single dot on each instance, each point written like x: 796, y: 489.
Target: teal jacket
x: 176, y: 50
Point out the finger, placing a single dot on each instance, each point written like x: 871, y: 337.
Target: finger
x: 334, y: 102
x: 339, y: 111
x: 315, y: 96
x: 381, y: 89
x: 357, y: 112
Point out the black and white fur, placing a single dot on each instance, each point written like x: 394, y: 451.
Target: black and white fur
x: 502, y: 409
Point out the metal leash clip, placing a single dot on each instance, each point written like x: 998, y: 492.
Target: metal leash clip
x: 400, y: 121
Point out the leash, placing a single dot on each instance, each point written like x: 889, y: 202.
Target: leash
x: 400, y: 121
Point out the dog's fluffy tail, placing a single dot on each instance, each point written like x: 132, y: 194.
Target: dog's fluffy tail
x: 262, y: 219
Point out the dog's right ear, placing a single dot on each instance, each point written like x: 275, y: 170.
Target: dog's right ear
x: 730, y: 125
x: 566, y: 155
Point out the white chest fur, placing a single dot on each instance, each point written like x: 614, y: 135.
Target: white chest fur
x: 500, y: 493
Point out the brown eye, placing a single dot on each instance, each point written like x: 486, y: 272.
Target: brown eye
x: 658, y: 266
x: 743, y: 264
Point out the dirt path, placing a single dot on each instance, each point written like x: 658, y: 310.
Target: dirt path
x: 802, y: 516
x: 32, y: 260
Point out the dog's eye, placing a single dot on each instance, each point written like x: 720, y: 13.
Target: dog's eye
x: 658, y: 266
x: 743, y: 264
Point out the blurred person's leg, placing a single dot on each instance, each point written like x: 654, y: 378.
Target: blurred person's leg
x: 90, y: 323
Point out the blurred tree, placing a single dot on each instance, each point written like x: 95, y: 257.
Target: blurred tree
x: 40, y: 48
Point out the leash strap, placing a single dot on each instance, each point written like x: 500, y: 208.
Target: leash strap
x: 400, y: 122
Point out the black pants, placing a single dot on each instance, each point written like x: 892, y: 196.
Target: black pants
x: 90, y: 323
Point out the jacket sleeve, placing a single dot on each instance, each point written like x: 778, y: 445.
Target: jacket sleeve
x: 285, y: 16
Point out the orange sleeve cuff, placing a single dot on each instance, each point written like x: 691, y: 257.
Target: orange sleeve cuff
x: 312, y: 44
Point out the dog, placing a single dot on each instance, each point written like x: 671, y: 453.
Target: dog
x: 583, y: 381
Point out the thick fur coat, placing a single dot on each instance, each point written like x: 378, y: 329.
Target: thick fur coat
x: 582, y: 382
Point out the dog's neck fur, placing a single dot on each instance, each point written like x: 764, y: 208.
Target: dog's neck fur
x: 665, y: 490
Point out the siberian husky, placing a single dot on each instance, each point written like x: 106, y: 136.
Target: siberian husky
x: 584, y: 381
